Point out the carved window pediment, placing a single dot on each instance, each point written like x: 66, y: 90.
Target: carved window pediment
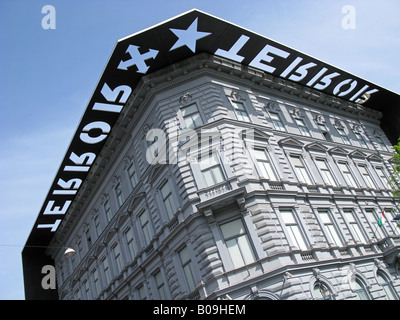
x: 315, y: 146
x: 291, y: 142
x: 357, y: 154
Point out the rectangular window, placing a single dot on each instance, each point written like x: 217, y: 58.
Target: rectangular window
x: 130, y: 243
x: 361, y: 139
x: 240, y: 111
x: 211, y: 169
x: 367, y: 178
x: 88, y: 239
x: 96, y: 282
x: 168, y: 199
x: 325, y: 172
x: 237, y: 243
x: 146, y: 227
x: 132, y: 176
x: 295, y: 236
x: 107, y: 210
x: 160, y: 286
x: 118, y: 193
x: 187, y: 267
x: 354, y: 227
x: 118, y: 258
x: 373, y: 220
x: 87, y: 289
x: 382, y: 145
x: 142, y: 293
x: 97, y: 225
x: 264, y: 164
x: 343, y: 135
x: 324, y: 131
x: 382, y: 176
x: 106, y: 270
x: 276, y: 120
x: 330, y: 228
x: 347, y: 175
x: 302, y: 127
x: 300, y: 169
x: 191, y: 116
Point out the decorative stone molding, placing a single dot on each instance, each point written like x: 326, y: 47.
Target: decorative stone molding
x: 186, y: 98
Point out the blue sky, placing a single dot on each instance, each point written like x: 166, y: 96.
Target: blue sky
x: 48, y: 76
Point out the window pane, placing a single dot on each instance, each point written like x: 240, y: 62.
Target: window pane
x: 211, y: 169
x: 234, y: 253
x: 184, y: 255
x: 302, y: 127
x: 288, y: 217
x: 232, y: 229
x: 237, y: 243
x: 325, y: 172
x: 334, y: 235
x: 354, y: 228
x: 277, y: 121
x: 347, y: 174
x: 132, y: 176
x: 297, y: 237
x: 146, y: 227
x: 168, y: 199
x: 189, y: 110
x: 189, y: 277
x: 300, y: 170
x: 264, y: 164
x: 246, y: 250
x: 191, y: 116
x: 366, y: 176
x: 240, y: 111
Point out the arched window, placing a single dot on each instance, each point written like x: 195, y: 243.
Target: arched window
x: 360, y: 290
x: 321, y: 291
x: 386, y: 285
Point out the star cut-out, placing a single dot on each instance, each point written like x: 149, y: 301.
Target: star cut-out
x: 188, y: 37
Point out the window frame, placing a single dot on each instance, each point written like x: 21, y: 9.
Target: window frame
x: 304, y: 130
x: 184, y: 117
x: 241, y: 249
x: 333, y: 226
x: 170, y: 197
x: 210, y: 168
x: 187, y: 267
x: 345, y: 177
x: 240, y: 111
x: 324, y: 131
x: 342, y: 133
x: 387, y: 285
x: 326, y: 173
x: 300, y: 173
x: 290, y: 226
x: 162, y: 290
x: 369, y: 183
x: 260, y: 168
x: 131, y: 175
x: 119, y: 193
x: 146, y: 227
x: 281, y: 127
x: 353, y: 226
x: 107, y: 209
x: 130, y: 243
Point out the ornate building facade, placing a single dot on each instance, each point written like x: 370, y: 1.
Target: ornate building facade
x: 219, y: 181
x: 290, y: 213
